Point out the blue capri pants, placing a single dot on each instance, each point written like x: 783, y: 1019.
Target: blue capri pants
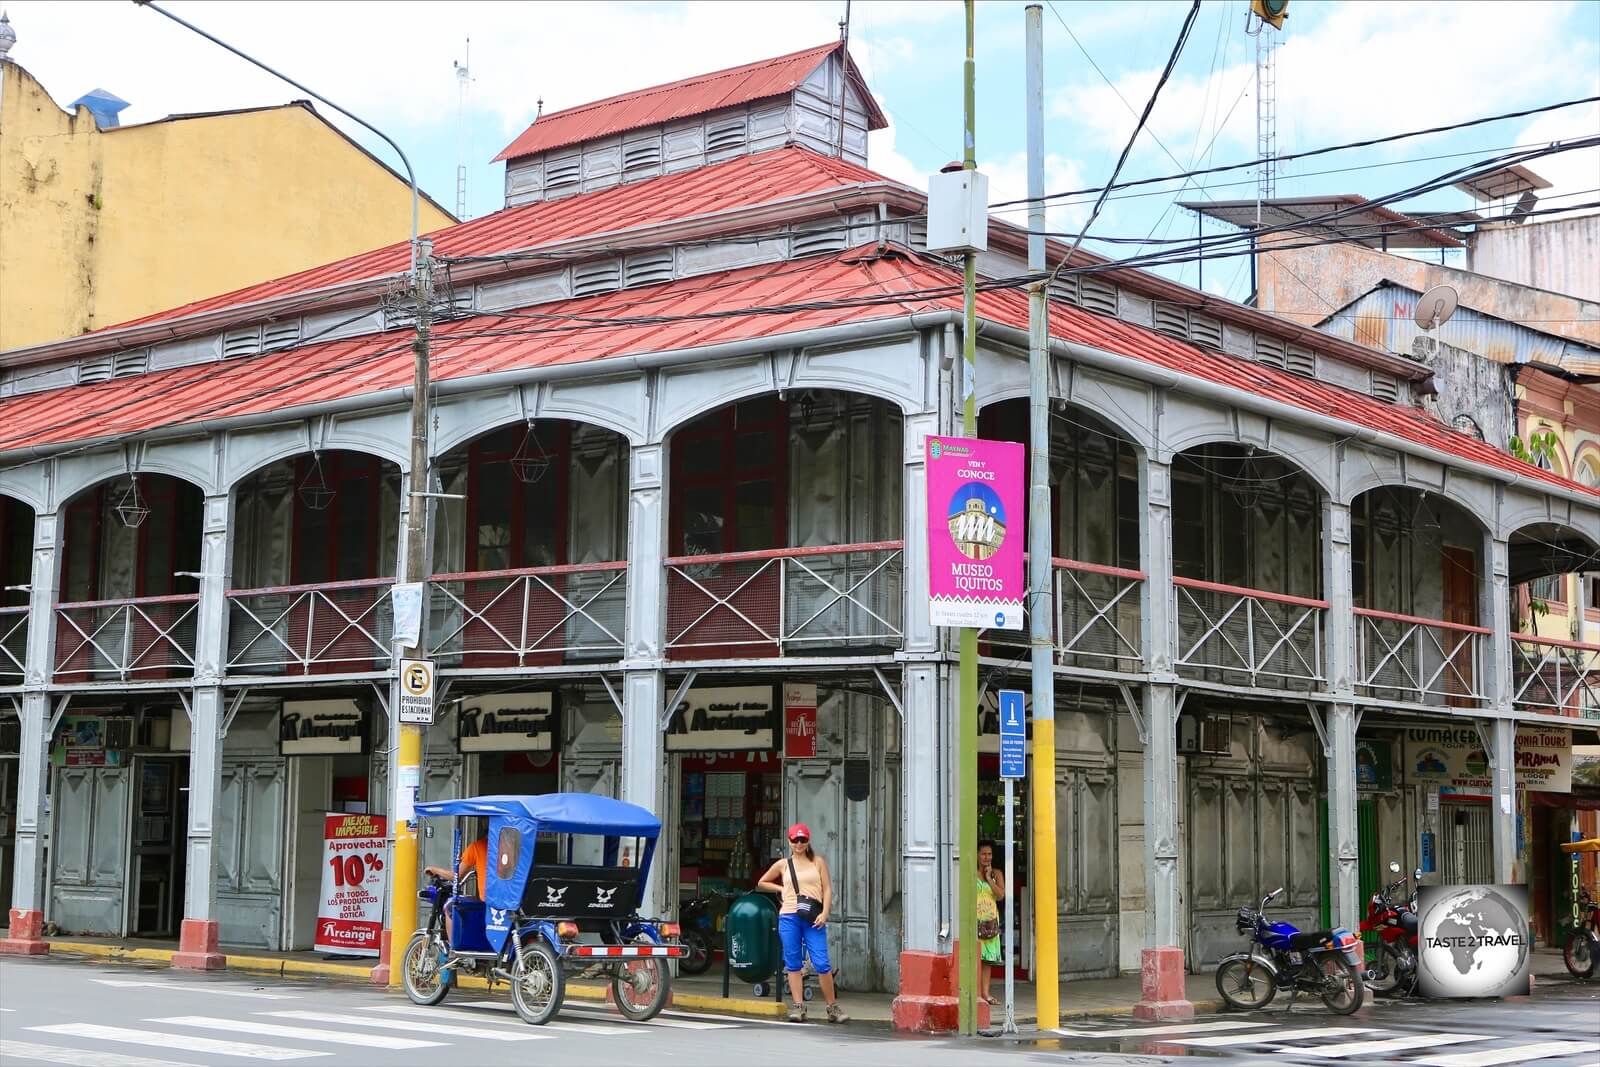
x: 796, y: 933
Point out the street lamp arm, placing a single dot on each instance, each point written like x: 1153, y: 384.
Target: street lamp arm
x: 411, y: 176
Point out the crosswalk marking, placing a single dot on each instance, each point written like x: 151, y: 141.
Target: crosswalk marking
x: 1391, y: 1044
x: 489, y: 1016
x: 1272, y: 1037
x: 304, y: 1033
x: 1495, y: 1057
x: 527, y: 1033
x: 570, y: 1011
x: 1156, y: 1031
x: 77, y: 1057
x: 127, y: 983
x: 187, y: 1042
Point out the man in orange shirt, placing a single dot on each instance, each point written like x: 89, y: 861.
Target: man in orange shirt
x: 474, y: 861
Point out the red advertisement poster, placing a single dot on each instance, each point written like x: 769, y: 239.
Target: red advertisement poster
x: 799, y: 721
x: 354, y: 884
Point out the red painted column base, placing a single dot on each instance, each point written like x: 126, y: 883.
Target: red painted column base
x: 929, y: 1000
x: 197, y: 947
x: 25, y: 935
x: 380, y: 972
x: 1161, y: 992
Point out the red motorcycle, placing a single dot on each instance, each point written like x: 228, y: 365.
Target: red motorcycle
x: 1393, y: 960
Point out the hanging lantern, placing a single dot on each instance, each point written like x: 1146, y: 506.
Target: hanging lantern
x: 1245, y: 486
x: 1424, y: 519
x: 531, y: 460
x: 131, y: 510
x: 314, y: 491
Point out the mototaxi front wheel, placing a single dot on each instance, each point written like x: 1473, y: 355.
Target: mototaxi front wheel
x: 1342, y: 987
x: 537, y: 983
x: 425, y: 980
x: 1245, y: 983
x: 1581, y: 954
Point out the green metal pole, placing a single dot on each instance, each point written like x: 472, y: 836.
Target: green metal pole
x: 967, y: 926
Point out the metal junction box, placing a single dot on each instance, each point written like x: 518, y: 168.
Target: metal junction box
x: 958, y: 212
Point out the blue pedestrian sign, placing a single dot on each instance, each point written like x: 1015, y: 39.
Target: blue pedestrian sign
x: 1013, y: 735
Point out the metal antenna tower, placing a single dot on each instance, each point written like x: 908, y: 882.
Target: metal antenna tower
x: 463, y: 77
x: 1266, y: 116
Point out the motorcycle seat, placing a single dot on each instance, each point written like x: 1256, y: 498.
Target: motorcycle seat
x: 1309, y: 939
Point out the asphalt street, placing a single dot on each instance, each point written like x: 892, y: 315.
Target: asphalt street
x: 98, y: 1015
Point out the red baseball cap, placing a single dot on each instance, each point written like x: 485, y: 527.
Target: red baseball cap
x: 799, y: 829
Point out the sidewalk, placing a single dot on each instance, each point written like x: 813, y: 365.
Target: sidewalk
x: 702, y: 994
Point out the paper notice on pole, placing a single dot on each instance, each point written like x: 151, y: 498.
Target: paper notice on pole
x: 407, y: 783
x: 407, y: 600
x: 1505, y: 803
x: 350, y: 909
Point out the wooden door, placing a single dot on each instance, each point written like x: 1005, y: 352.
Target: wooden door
x: 1461, y: 607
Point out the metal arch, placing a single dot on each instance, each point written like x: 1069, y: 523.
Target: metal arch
x: 611, y: 691
x: 1487, y: 741
x: 381, y: 696
x: 55, y: 716
x: 891, y: 693
x: 1140, y: 726
x: 1321, y: 728
x: 233, y: 712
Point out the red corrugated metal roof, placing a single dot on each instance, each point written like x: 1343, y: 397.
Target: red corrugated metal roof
x: 742, y: 182
x: 698, y: 95
x: 554, y: 333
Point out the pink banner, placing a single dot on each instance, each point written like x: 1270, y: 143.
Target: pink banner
x: 975, y: 540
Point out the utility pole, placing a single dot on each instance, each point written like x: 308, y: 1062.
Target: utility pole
x: 406, y: 737
x: 1042, y: 796
x: 967, y: 792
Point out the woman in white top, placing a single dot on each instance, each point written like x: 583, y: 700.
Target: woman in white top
x: 803, y: 919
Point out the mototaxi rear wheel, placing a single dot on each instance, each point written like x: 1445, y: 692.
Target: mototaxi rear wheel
x: 537, y: 982
x: 1246, y: 983
x: 1581, y: 954
x: 640, y: 987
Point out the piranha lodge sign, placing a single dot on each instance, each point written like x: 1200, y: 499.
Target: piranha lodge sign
x: 321, y: 727
x: 508, y: 722
x: 724, y: 719
x: 975, y: 538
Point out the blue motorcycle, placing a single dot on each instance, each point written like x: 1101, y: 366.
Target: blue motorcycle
x: 1328, y: 963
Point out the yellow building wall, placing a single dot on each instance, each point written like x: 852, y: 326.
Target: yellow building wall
x: 101, y: 226
x: 1571, y: 411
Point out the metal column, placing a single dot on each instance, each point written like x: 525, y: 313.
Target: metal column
x: 28, y: 875
x: 1163, y: 902
x: 1503, y: 807
x: 1343, y: 834
x: 1501, y: 747
x: 644, y: 687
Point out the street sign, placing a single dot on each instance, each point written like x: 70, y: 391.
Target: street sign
x: 416, y: 692
x: 1013, y: 735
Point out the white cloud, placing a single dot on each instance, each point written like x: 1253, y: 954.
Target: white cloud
x: 886, y: 159
x: 1361, y: 72
x: 1574, y: 176
x: 1008, y: 180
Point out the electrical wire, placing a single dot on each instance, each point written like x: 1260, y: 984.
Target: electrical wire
x: 1144, y: 116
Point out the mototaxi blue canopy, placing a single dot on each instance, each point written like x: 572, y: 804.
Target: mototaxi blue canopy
x: 515, y: 823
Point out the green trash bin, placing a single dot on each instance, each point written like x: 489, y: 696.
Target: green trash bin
x: 752, y: 932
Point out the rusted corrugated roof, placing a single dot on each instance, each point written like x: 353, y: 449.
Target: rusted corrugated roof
x: 746, y: 181
x: 689, y: 313
x: 698, y: 95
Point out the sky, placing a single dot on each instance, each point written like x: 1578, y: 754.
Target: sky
x: 1346, y: 70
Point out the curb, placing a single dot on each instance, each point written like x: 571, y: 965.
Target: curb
x: 688, y: 1002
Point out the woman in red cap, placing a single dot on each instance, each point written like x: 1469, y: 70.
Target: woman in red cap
x: 801, y: 880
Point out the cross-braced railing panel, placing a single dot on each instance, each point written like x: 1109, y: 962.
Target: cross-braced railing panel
x: 13, y: 645
x: 332, y: 627
x: 1248, y: 636
x: 142, y: 639
x: 789, y: 601
x: 1095, y: 617
x: 1555, y: 677
x: 1419, y: 661
x: 528, y: 616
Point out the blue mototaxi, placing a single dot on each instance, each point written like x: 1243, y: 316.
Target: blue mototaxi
x: 538, y: 918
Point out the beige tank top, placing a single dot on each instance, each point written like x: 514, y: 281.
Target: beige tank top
x: 810, y: 883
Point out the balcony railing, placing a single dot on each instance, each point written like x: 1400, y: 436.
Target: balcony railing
x: 1555, y: 677
x: 786, y: 601
x: 331, y: 627
x: 135, y: 639
x: 1228, y: 631
x: 533, y: 615
x: 13, y: 645
x: 1096, y: 617
x: 1421, y: 661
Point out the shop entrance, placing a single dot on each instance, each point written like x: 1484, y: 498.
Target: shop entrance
x: 1466, y: 855
x: 161, y: 816
x: 730, y: 820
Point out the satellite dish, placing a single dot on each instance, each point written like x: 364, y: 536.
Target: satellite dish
x: 1435, y: 307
